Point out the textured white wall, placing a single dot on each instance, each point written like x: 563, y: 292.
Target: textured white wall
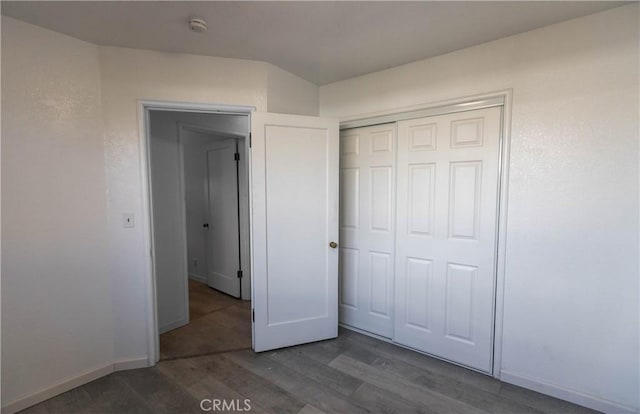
x: 56, y: 303
x: 71, y: 116
x: 127, y: 76
x: 290, y: 94
x: 571, y: 293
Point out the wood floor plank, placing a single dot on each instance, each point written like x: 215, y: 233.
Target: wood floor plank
x: 438, y: 383
x: 263, y: 392
x: 305, y: 388
x: 199, y: 381
x: 76, y: 400
x: 541, y: 402
x: 37, y: 409
x: 400, y: 386
x: 212, y: 389
x: 161, y: 394
x: 310, y: 409
x: 296, y: 359
x: 435, y: 365
x: 378, y: 400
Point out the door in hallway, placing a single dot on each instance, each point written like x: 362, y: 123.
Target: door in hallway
x: 223, y: 226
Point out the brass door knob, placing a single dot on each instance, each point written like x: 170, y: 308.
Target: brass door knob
x: 333, y: 245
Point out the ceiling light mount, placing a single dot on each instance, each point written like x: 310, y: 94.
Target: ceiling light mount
x: 198, y: 25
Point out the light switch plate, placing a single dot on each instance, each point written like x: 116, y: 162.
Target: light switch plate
x: 128, y: 221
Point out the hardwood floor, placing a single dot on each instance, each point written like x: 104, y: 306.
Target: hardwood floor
x: 218, y: 323
x: 351, y: 374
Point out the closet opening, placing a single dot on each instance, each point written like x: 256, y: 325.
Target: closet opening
x: 199, y: 208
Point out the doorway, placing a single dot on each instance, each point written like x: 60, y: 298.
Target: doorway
x: 200, y: 232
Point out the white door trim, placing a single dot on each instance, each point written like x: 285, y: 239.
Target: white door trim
x: 146, y: 219
x: 504, y: 99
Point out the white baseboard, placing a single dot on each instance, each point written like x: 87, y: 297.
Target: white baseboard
x: 70, y: 383
x: 567, y: 394
x: 63, y: 385
x: 198, y: 278
x: 131, y: 363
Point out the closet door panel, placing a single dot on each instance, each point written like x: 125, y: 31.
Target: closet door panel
x: 367, y: 229
x: 446, y: 235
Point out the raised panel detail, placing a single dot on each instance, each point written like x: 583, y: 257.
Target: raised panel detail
x: 466, y: 133
x: 459, y: 306
x: 379, y: 273
x: 349, y: 277
x: 422, y: 137
x: 421, y: 198
x: 349, y: 197
x: 417, y: 301
x: 381, y: 141
x: 381, y: 198
x: 464, y: 199
x: 350, y: 145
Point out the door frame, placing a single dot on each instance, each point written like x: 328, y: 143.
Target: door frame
x: 504, y: 99
x: 243, y: 192
x: 146, y: 221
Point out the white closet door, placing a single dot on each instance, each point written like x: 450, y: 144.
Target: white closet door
x: 446, y: 240
x: 367, y: 228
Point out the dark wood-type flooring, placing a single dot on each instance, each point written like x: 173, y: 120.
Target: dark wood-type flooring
x: 351, y: 374
x: 218, y: 322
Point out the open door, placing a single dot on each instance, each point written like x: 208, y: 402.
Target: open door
x: 294, y: 178
x: 223, y: 229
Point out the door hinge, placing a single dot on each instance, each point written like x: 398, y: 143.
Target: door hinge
x: 239, y: 274
x: 237, y: 156
x: 253, y: 315
x: 249, y: 139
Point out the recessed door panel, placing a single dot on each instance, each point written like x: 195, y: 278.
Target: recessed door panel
x: 464, y: 199
x: 422, y: 137
x: 380, y: 276
x: 349, y: 192
x: 297, y: 229
x: 417, y: 293
x: 380, y: 198
x: 348, y: 288
x: 459, y: 305
x: 421, y: 196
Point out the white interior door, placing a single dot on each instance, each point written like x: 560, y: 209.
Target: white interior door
x: 223, y: 231
x: 446, y: 240
x: 367, y: 227
x: 294, y: 171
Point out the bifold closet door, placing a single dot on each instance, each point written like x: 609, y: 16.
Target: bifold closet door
x: 446, y: 239
x: 367, y: 228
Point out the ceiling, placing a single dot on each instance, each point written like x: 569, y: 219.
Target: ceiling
x: 322, y: 42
